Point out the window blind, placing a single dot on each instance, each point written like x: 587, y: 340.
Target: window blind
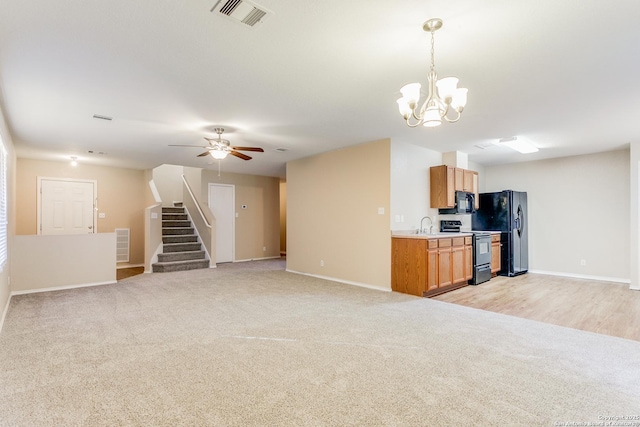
x: 3, y: 205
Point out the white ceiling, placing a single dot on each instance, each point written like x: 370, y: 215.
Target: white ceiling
x: 313, y: 77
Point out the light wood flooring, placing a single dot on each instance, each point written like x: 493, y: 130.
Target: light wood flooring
x: 123, y: 273
x: 602, y: 307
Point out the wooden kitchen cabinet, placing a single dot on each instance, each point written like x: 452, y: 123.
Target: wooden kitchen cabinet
x: 444, y: 263
x: 496, y: 249
x: 442, y: 186
x: 468, y: 262
x: 458, y: 270
x: 446, y: 180
x: 430, y: 266
x: 475, y: 189
x: 409, y: 256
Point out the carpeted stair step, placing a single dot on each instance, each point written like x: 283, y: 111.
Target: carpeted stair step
x: 174, y: 223
x: 181, y: 247
x: 176, y: 230
x: 165, y: 267
x: 180, y: 256
x: 180, y: 238
x: 175, y: 217
x: 173, y: 210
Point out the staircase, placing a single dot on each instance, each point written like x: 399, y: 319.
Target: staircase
x: 181, y: 247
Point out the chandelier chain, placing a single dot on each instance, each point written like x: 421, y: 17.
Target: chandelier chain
x: 432, y: 52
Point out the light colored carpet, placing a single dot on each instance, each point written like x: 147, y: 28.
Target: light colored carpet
x: 252, y: 345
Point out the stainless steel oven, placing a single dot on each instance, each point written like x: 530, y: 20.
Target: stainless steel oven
x: 481, y: 258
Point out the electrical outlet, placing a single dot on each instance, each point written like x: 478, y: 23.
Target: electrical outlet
x: 321, y: 263
x: 264, y: 249
x: 583, y: 262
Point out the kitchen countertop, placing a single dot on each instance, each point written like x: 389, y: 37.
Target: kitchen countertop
x: 411, y: 234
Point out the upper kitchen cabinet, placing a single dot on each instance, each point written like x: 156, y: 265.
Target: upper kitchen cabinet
x: 446, y: 180
x: 443, y: 190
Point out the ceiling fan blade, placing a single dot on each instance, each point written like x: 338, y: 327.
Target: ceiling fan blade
x: 206, y: 153
x: 248, y: 149
x: 240, y: 155
x: 182, y: 145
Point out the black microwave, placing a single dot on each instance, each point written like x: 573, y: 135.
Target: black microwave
x: 465, y: 204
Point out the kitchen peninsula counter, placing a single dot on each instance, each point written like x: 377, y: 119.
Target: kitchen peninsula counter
x: 426, y: 265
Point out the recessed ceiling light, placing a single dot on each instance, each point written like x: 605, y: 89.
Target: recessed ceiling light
x: 519, y: 144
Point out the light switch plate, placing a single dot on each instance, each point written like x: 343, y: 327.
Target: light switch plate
x: 380, y: 211
x: 102, y: 215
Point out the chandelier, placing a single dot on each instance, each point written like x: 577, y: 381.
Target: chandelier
x: 445, y: 103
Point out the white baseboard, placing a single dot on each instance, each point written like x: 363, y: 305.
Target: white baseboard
x: 583, y: 276
x: 348, y: 282
x: 257, y: 259
x: 4, y: 313
x: 61, y: 288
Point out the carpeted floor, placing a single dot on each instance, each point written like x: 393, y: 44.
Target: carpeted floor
x: 252, y: 345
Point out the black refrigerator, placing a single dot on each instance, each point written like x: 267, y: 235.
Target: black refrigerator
x: 506, y: 211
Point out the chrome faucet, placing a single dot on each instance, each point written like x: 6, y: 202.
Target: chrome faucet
x: 430, y: 225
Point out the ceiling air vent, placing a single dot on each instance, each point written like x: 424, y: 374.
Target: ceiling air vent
x: 242, y: 11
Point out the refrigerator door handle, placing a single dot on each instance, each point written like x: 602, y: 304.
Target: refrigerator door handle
x: 519, y: 221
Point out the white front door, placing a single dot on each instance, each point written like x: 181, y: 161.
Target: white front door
x: 221, y: 203
x: 66, y: 206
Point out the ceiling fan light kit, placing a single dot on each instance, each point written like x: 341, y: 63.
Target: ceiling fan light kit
x: 445, y: 100
x: 219, y: 148
x: 218, y: 154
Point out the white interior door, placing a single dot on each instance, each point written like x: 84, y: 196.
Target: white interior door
x: 66, y: 207
x: 221, y: 203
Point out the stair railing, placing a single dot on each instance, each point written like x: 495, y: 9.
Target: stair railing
x: 203, y: 225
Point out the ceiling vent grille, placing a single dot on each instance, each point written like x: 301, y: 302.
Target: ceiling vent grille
x: 242, y: 11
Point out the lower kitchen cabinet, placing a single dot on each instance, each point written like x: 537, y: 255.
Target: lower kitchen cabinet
x: 468, y: 260
x: 429, y: 266
x: 457, y: 265
x: 409, y: 255
x: 496, y: 248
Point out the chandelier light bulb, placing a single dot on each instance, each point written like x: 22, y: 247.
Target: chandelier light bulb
x: 447, y: 87
x: 431, y: 117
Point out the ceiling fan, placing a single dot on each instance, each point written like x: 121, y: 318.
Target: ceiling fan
x: 219, y: 148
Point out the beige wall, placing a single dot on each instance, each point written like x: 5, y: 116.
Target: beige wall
x: 63, y: 261
x: 283, y: 216
x: 332, y: 215
x: 634, y: 226
x: 168, y: 180
x: 578, y: 209
x: 122, y: 194
x: 258, y: 225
